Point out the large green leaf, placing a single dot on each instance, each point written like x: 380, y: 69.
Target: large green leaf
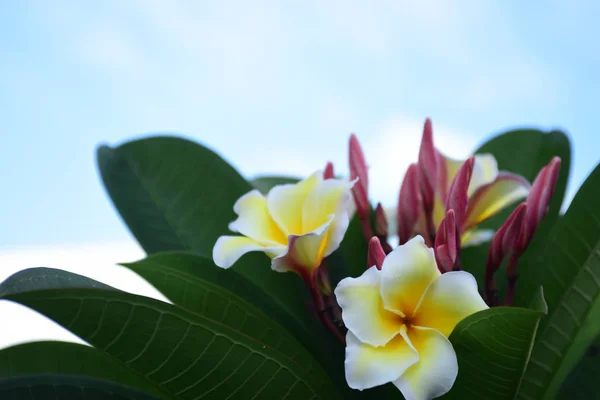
x: 493, y: 347
x: 582, y: 382
x: 176, y: 195
x: 265, y: 183
x: 185, y: 353
x: 62, y: 358
x: 568, y: 267
x: 524, y: 152
x: 65, y: 387
x: 172, y: 193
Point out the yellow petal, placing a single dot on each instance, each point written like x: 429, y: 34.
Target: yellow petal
x: 254, y: 220
x: 435, y: 372
x: 406, y: 273
x: 329, y: 198
x: 362, y: 309
x: 285, y: 203
x: 488, y: 200
x: 229, y: 249
x: 368, y: 366
x: 450, y: 298
x: 305, y: 252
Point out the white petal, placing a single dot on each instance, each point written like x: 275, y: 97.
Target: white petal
x: 435, y: 372
x: 362, y: 309
x: 475, y: 237
x: 254, y: 220
x: 328, y: 198
x: 368, y: 366
x: 229, y: 249
x: 485, y: 171
x: 285, y: 203
x: 406, y: 273
x: 450, y: 298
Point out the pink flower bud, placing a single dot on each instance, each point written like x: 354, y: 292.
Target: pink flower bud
x: 376, y: 255
x: 409, y: 204
x: 539, y: 198
x: 427, y: 167
x: 328, y: 173
x: 457, y: 194
x: 358, y: 169
x: 381, y: 222
x: 506, y: 240
x: 447, y: 243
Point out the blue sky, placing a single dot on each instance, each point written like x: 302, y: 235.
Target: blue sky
x: 274, y: 86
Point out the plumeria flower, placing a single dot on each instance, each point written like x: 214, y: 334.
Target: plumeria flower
x: 399, y: 318
x: 427, y: 184
x: 296, y: 225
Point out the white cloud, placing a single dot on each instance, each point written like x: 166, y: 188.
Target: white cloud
x: 97, y: 261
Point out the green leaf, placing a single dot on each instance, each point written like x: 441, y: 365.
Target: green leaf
x: 65, y: 387
x: 176, y: 195
x: 493, y: 347
x: 524, y: 152
x: 569, y: 269
x: 582, y: 382
x: 197, y: 285
x: 62, y: 358
x: 265, y: 183
x: 185, y: 353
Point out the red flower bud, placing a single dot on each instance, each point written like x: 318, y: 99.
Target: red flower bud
x: 409, y: 204
x: 447, y: 243
x: 358, y: 169
x: 427, y: 167
x: 328, y: 173
x: 381, y: 222
x: 376, y: 255
x: 506, y: 240
x: 457, y: 194
x: 539, y: 198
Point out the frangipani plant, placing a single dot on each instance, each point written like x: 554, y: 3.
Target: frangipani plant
x: 285, y: 288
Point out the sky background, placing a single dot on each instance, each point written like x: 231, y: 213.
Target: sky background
x: 274, y: 87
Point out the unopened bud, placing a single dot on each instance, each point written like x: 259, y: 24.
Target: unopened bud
x: 375, y: 255
x: 458, y: 192
x: 427, y: 167
x: 409, y: 204
x: 447, y: 243
x: 328, y: 173
x: 506, y: 240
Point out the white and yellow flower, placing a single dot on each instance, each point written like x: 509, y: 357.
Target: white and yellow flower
x: 296, y: 225
x: 399, y: 319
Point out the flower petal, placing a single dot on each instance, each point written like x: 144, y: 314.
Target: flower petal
x: 304, y: 252
x: 362, y: 309
x: 490, y: 199
x: 406, y: 273
x: 436, y: 370
x: 450, y: 298
x: 328, y: 198
x: 485, y: 172
x: 285, y: 203
x: 254, y: 220
x: 229, y: 249
x: 475, y: 237
x: 368, y: 366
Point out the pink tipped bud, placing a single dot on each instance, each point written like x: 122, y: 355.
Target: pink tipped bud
x: 506, y: 240
x: 358, y: 169
x: 381, y: 222
x: 409, y: 204
x: 447, y: 243
x: 539, y: 197
x: 427, y: 167
x: 376, y: 255
x: 457, y: 194
x: 328, y: 173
